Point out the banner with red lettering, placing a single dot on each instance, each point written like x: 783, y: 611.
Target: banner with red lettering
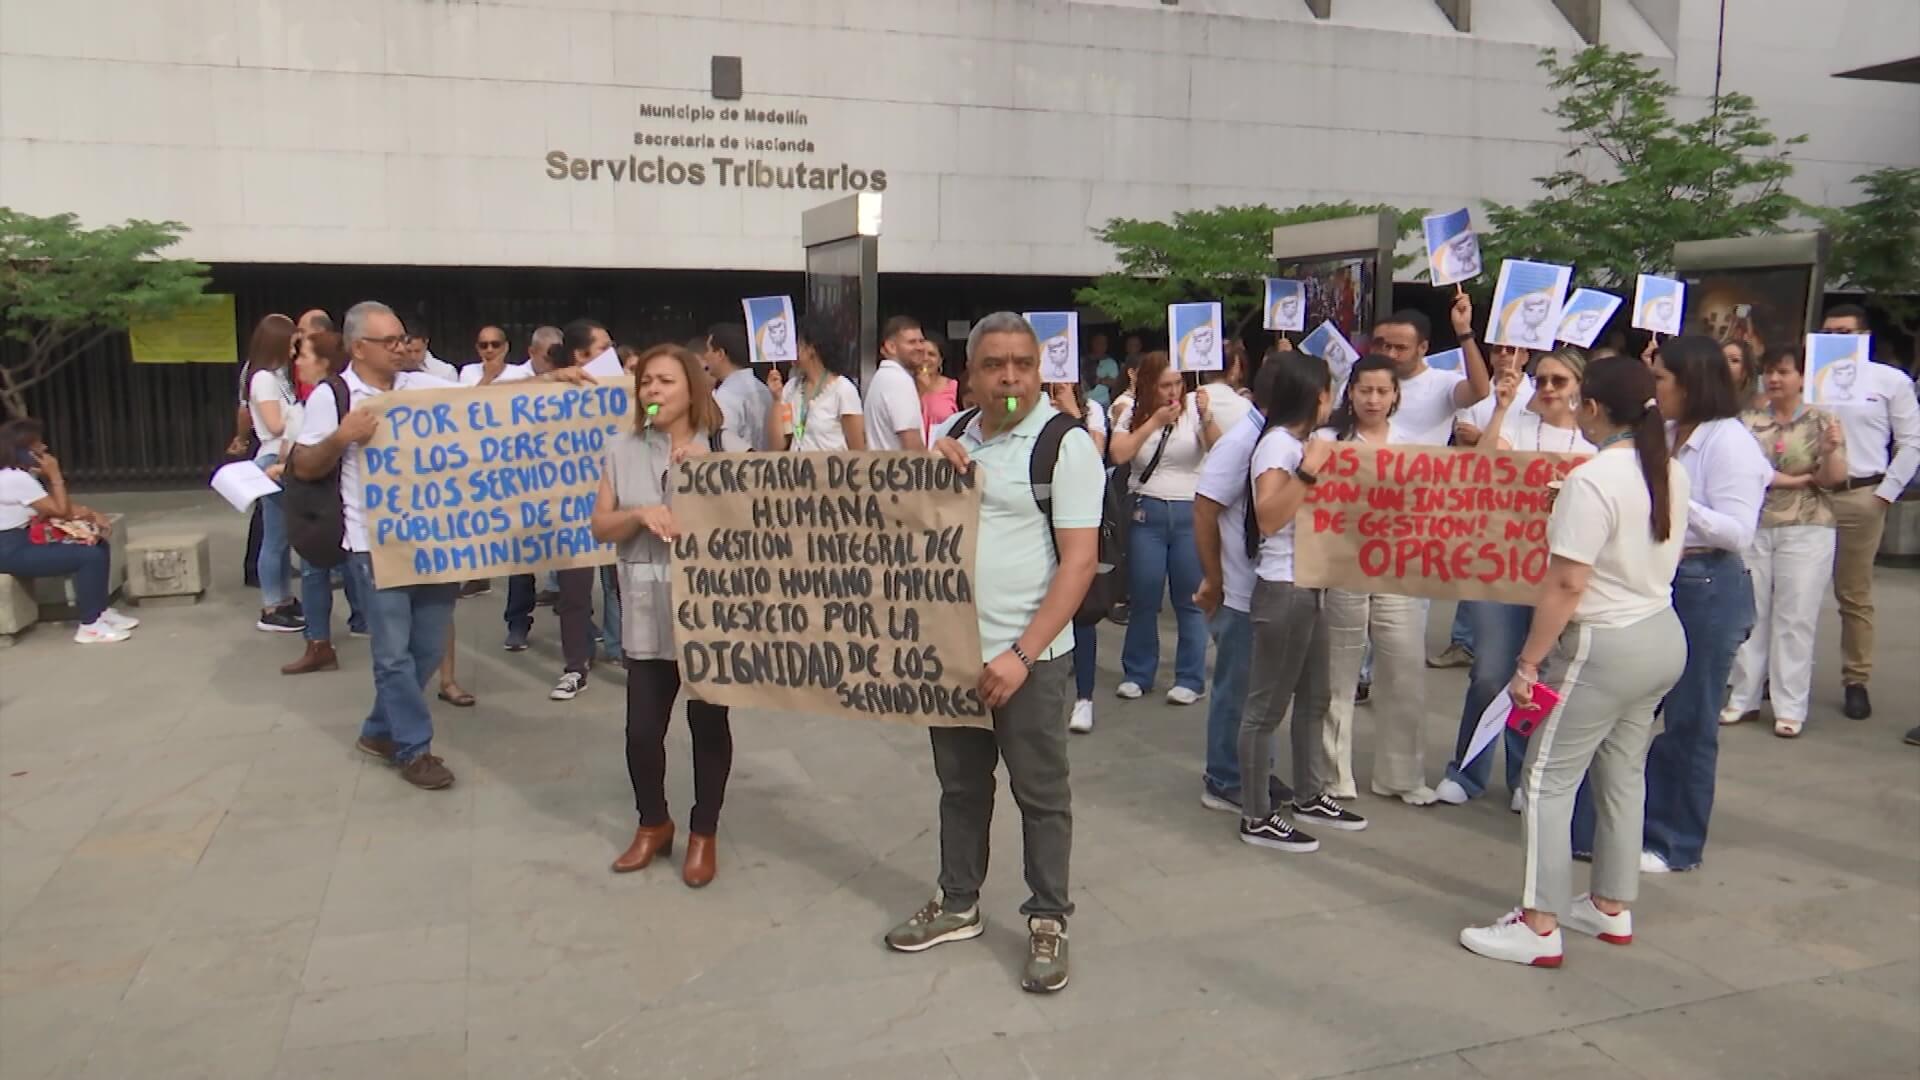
x: 1439, y: 522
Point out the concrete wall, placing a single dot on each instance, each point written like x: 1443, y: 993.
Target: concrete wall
x: 418, y: 131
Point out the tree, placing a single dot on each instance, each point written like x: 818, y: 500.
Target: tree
x: 1876, y: 243
x: 1637, y: 180
x: 1221, y: 254
x: 65, y: 288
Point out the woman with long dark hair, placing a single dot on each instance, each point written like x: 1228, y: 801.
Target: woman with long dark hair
x: 320, y: 355
x: 272, y: 403
x: 821, y: 409
x: 1614, y: 539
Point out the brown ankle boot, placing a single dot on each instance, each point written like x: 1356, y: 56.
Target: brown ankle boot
x: 647, y: 842
x: 699, y: 867
x: 318, y: 657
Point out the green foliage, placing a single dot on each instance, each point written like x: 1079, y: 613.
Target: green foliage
x: 1636, y: 180
x: 63, y: 288
x: 1220, y: 254
x: 1876, y: 243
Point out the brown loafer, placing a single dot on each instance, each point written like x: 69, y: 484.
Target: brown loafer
x: 648, y: 841
x: 427, y: 772
x: 318, y: 657
x: 699, y: 867
x: 376, y: 746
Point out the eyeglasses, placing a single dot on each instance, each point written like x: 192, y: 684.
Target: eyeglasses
x: 1554, y: 382
x: 485, y: 344
x: 393, y: 341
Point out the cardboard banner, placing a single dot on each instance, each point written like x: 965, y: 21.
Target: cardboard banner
x: 1444, y: 523
x: 830, y: 583
x: 486, y: 481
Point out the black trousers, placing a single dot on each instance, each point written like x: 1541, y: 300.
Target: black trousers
x: 574, y: 609
x: 652, y: 686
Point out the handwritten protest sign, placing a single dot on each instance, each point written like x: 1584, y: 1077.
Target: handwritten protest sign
x: 835, y: 583
x: 488, y: 480
x: 1443, y: 523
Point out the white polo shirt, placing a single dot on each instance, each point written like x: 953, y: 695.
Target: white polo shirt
x: 470, y: 375
x: 323, y: 419
x: 892, y: 406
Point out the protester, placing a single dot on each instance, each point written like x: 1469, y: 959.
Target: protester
x: 1429, y: 396
x: 1712, y: 592
x: 1395, y: 625
x: 1792, y: 554
x: 1882, y: 429
x: 1743, y: 363
x: 744, y: 400
x: 821, y: 409
x: 495, y: 364
x: 1221, y: 400
x: 1099, y: 371
x: 1071, y: 399
x: 633, y: 511
x: 892, y: 408
x: 1033, y: 575
x: 939, y: 395
x: 322, y: 354
x: 581, y: 342
x: 1157, y: 433
x: 1469, y: 425
x: 522, y: 590
x: 1614, y: 538
x: 419, y: 357
x: 272, y: 405
x: 1289, y: 622
x: 72, y: 540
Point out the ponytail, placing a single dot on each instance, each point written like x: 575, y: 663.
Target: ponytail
x: 1623, y: 388
x: 1650, y: 442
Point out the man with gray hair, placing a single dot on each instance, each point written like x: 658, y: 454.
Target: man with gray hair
x: 1037, y: 549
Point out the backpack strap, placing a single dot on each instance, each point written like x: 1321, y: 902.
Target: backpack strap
x: 961, y: 422
x: 1040, y: 466
x: 342, y: 397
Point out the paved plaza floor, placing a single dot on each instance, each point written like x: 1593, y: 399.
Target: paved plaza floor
x: 199, y: 877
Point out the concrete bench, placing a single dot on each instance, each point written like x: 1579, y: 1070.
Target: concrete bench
x: 18, y: 610
x: 168, y: 565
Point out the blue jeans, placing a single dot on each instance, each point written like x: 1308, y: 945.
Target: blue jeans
x: 1499, y: 631
x: 1462, y: 634
x: 410, y: 626
x: 275, y: 566
x: 1160, y: 557
x: 1086, y: 651
x: 316, y: 598
x: 87, y: 564
x: 1232, y: 656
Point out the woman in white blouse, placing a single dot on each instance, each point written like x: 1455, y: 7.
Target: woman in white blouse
x: 1071, y: 398
x: 271, y: 402
x: 821, y: 409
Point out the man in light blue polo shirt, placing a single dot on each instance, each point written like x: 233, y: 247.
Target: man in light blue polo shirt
x: 1030, y: 575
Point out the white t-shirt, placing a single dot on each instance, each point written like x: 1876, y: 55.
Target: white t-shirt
x: 1223, y: 480
x: 1228, y: 408
x: 323, y: 417
x: 269, y: 386
x: 1602, y: 519
x: 1179, y: 468
x: 817, y: 418
x: 1277, y: 449
x: 1527, y: 431
x: 893, y: 406
x: 470, y: 375
x: 1480, y: 413
x: 440, y: 369
x: 19, y: 490
x: 1425, y: 415
x: 1096, y: 418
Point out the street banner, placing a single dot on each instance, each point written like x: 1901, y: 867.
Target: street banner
x: 199, y: 332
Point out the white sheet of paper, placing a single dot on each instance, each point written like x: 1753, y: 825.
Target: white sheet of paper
x: 1527, y: 302
x: 242, y: 483
x: 606, y: 365
x: 1491, y: 721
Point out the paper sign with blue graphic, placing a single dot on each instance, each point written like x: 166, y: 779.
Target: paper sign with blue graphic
x: 1835, y: 363
x: 1453, y: 251
x: 1285, y: 305
x: 1658, y: 304
x: 1586, y: 315
x: 1059, y: 334
x: 771, y: 332
x: 1527, y: 303
x: 1451, y: 360
x: 1196, y: 336
x: 1327, y: 343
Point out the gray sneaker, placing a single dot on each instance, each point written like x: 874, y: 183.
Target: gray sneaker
x: 1046, y: 956
x: 935, y: 925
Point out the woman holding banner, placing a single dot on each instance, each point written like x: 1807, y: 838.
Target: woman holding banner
x: 1396, y: 625
x: 677, y: 418
x: 1614, y: 539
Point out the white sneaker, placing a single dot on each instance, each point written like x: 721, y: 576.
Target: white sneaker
x: 1512, y: 940
x: 1583, y: 917
x: 99, y: 632
x: 1653, y: 864
x: 117, y: 620
x: 1518, y: 804
x: 1451, y: 793
x: 1420, y: 796
x: 569, y: 686
x: 1129, y: 691
x: 1082, y: 721
x: 1180, y: 695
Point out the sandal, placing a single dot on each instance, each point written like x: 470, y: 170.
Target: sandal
x: 1788, y: 729
x: 459, y: 698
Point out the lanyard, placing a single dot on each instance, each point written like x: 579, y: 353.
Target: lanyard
x: 806, y: 403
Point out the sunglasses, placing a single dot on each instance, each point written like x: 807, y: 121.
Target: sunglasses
x: 485, y: 344
x: 1555, y: 382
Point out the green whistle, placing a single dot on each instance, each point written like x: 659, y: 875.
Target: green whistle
x: 1013, y: 405
x: 653, y: 410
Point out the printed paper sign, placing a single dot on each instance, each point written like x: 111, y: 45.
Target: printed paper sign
x: 1327, y: 343
x: 1453, y: 250
x: 198, y: 332
x: 487, y: 481
x: 1439, y: 522
x: 1835, y: 363
x: 607, y: 365
x: 1285, y: 305
x: 1196, y: 336
x: 1059, y: 334
x: 1659, y: 303
x: 1585, y: 316
x: 831, y: 583
x: 1527, y: 303
x: 1451, y: 360
x: 771, y: 331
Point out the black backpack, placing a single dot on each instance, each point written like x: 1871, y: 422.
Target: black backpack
x: 316, y: 520
x: 1110, y: 561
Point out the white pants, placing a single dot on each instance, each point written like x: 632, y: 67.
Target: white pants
x: 1791, y: 566
x: 1397, y: 626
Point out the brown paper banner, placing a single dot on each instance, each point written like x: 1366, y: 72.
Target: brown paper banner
x: 1449, y: 524
x: 829, y: 583
x: 487, y: 481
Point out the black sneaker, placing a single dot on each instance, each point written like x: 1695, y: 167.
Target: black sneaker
x: 545, y: 599
x: 1858, y: 706
x: 1912, y: 737
x: 1277, y: 833
x: 517, y: 640
x: 1323, y: 811
x: 280, y: 621
x: 1363, y: 693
